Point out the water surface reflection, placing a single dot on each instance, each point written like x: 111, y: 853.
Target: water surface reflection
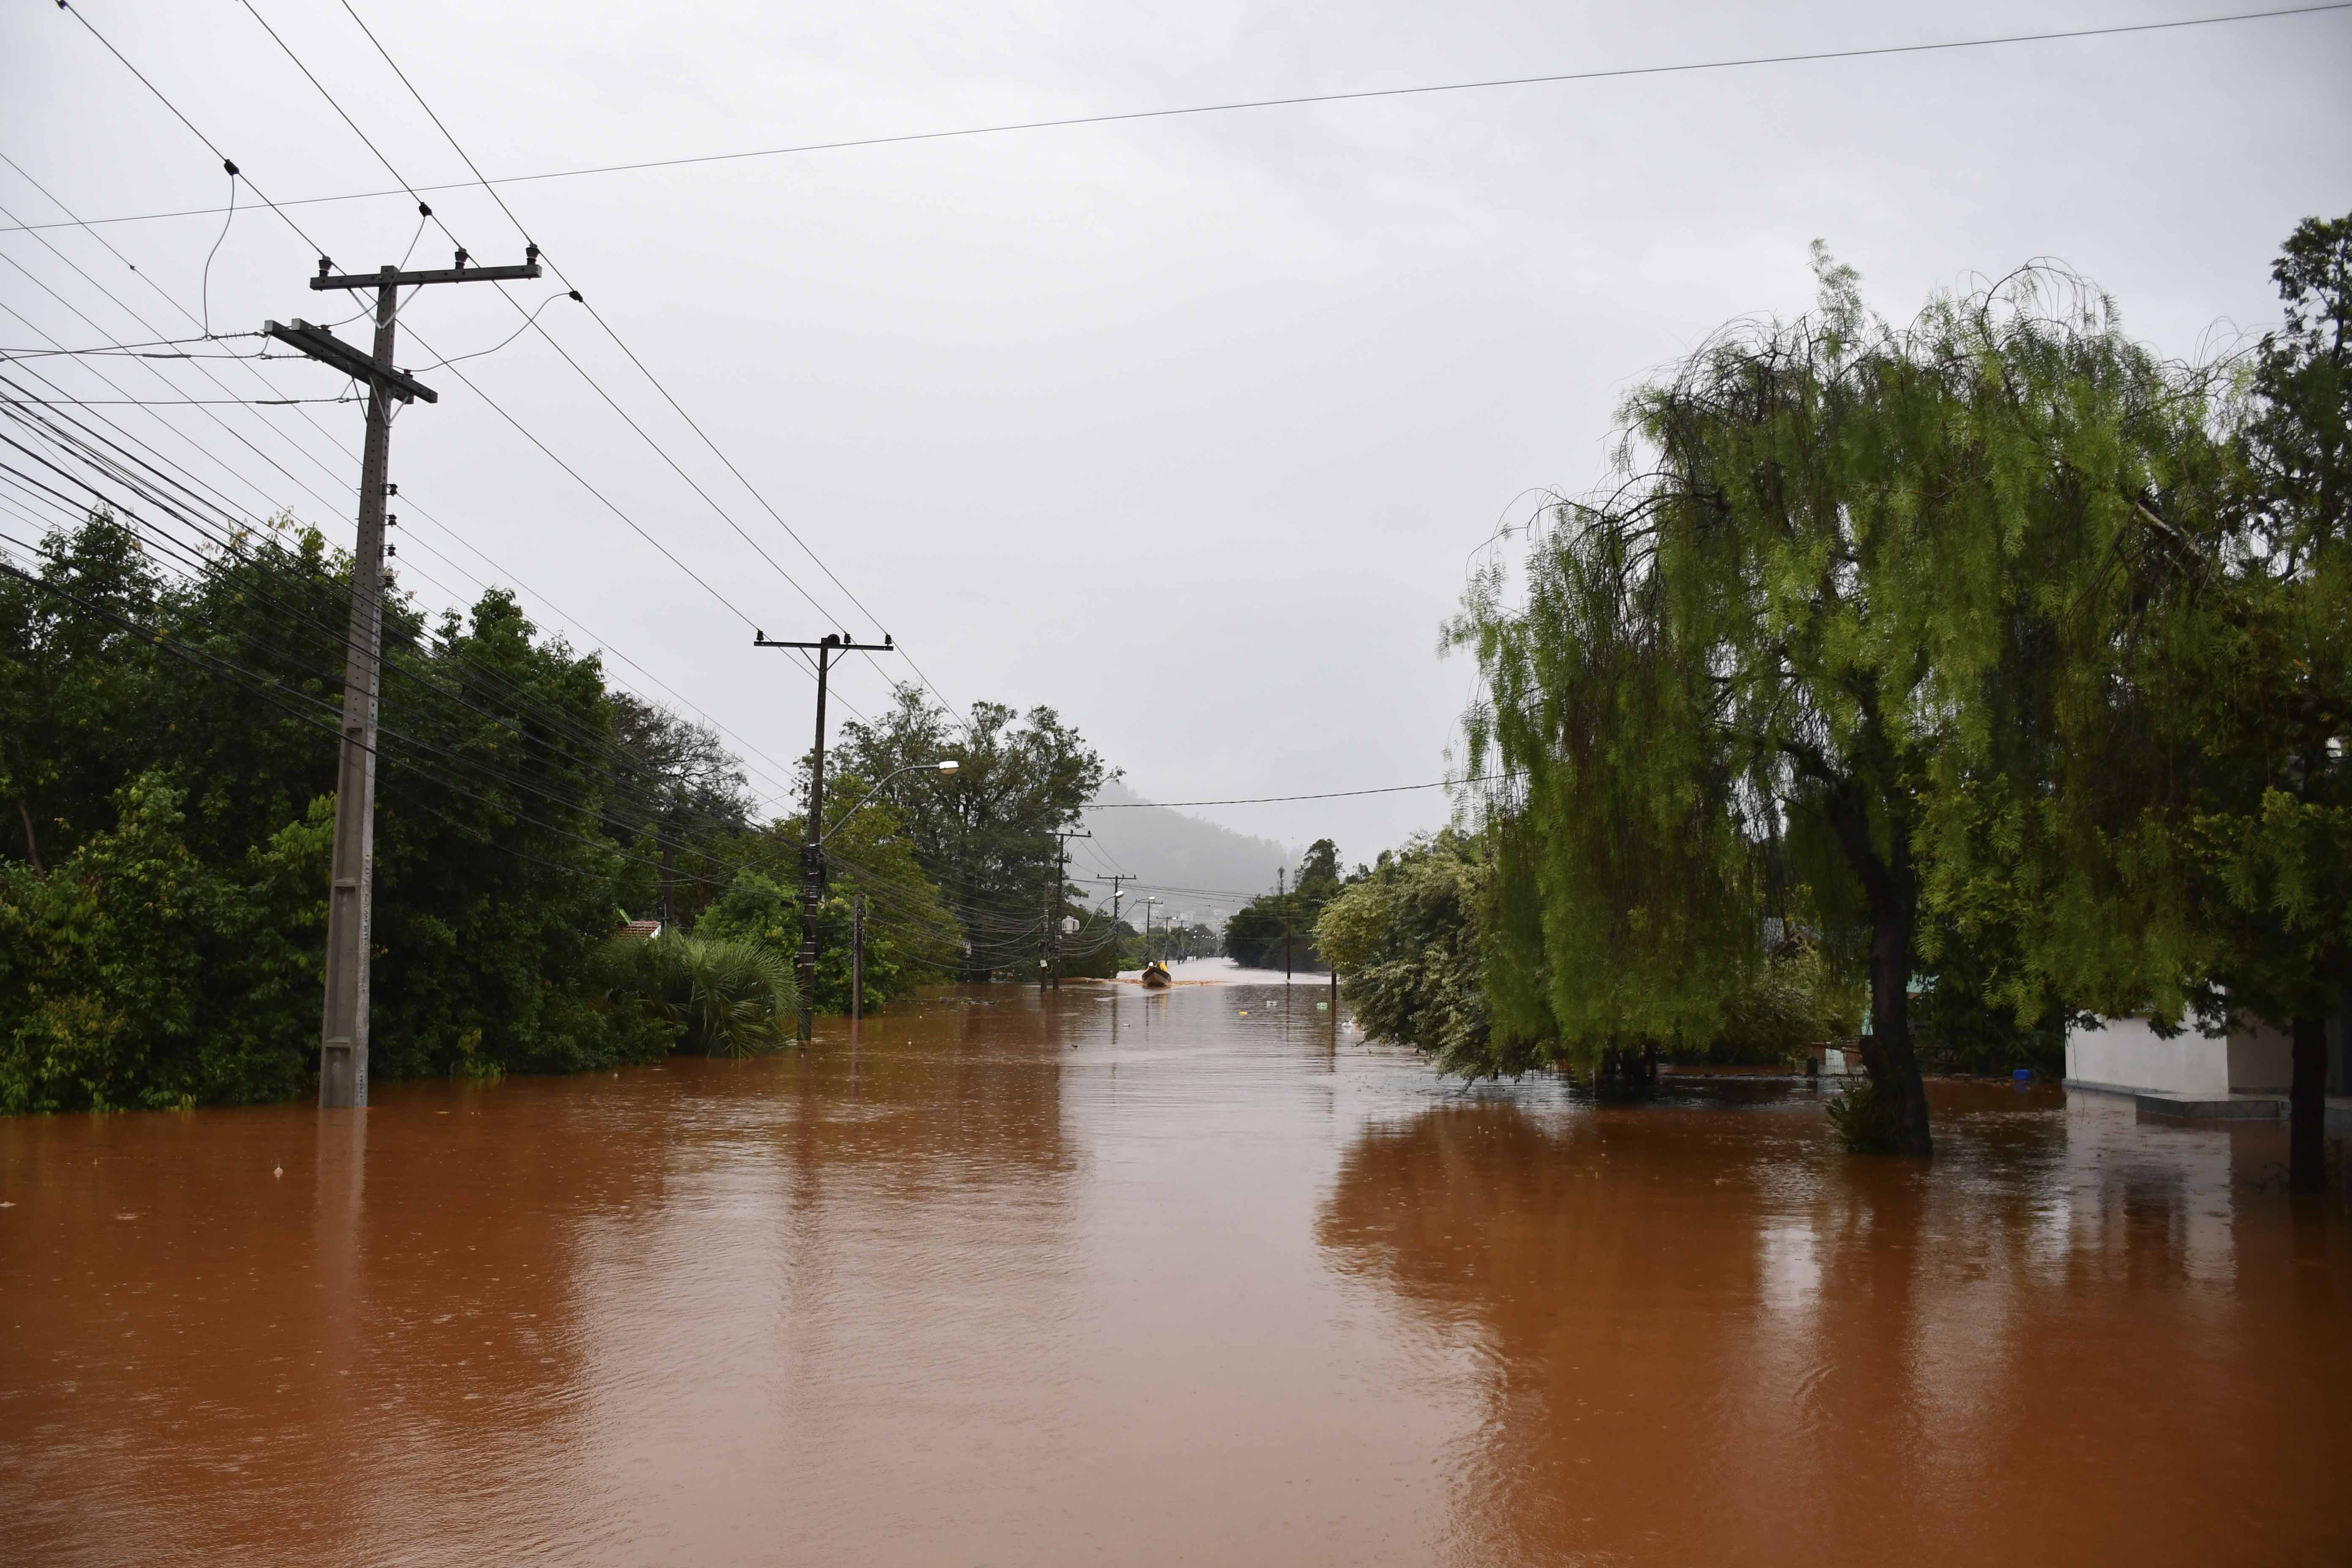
x: 1704, y: 1337
x: 1154, y: 1279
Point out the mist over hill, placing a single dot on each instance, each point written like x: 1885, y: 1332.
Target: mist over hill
x: 1197, y: 870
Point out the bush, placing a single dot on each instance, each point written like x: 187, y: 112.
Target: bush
x: 1407, y: 941
x: 711, y: 994
x: 134, y: 975
x: 1868, y: 1122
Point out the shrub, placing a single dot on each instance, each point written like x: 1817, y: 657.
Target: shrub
x: 712, y: 994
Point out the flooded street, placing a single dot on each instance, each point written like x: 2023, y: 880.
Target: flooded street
x: 1138, y: 1278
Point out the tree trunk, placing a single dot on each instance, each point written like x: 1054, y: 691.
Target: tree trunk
x: 1886, y: 1052
x: 32, y: 847
x: 2306, y: 1111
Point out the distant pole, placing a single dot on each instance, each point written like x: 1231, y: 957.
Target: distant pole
x: 1282, y: 892
x: 811, y: 842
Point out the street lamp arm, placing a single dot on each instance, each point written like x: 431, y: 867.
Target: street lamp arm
x: 947, y: 766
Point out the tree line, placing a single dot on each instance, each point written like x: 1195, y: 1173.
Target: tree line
x: 167, y: 764
x: 1281, y: 925
x: 1989, y: 670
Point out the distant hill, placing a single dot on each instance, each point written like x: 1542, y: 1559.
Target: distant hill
x: 1196, y: 869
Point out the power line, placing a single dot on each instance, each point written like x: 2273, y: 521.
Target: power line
x: 113, y: 467
x: 410, y: 503
x: 313, y: 245
x: 617, y: 763
x: 179, y: 402
x: 1270, y: 799
x: 1298, y: 100
x: 532, y: 322
x: 531, y: 317
x: 655, y: 382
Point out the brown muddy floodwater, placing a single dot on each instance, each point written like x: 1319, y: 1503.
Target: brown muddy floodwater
x: 1137, y: 1279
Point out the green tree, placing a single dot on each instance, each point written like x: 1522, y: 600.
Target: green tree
x: 910, y: 938
x: 2172, y: 835
x: 1410, y: 944
x: 1737, y: 674
x: 1261, y: 933
x: 511, y: 820
x: 984, y: 834
x: 134, y: 975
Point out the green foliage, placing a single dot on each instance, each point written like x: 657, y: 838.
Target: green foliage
x: 167, y: 757
x: 754, y: 908
x: 721, y: 998
x: 910, y: 938
x: 983, y: 834
x: 1796, y: 997
x: 1867, y: 1119
x: 1256, y: 936
x: 1407, y: 940
x: 1822, y: 592
x: 135, y: 975
x: 2175, y: 825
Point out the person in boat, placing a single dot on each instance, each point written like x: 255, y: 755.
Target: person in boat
x: 1155, y: 974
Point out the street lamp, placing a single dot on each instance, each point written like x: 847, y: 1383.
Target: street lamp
x: 946, y: 765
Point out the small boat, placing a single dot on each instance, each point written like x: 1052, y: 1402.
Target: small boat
x: 1156, y: 976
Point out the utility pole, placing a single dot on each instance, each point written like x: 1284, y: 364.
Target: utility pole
x: 1115, y: 896
x: 1062, y: 837
x: 343, y: 1023
x: 1282, y: 892
x: 811, y: 844
x: 856, y: 960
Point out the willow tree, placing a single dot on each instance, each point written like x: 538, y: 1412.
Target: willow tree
x: 1814, y: 589
x: 2173, y: 835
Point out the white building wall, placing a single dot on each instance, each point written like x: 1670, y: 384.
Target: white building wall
x: 2128, y: 1054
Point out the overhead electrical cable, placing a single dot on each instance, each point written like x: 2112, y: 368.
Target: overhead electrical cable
x: 315, y: 249
x: 1271, y: 799
x: 337, y: 633
x: 410, y: 503
x: 872, y: 620
x: 531, y: 317
x: 1294, y: 100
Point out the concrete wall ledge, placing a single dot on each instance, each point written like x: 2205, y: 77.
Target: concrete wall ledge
x: 2195, y: 1107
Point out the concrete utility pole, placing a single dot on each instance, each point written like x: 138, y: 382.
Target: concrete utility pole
x: 856, y: 960
x: 811, y: 844
x: 343, y: 1026
x: 1062, y: 837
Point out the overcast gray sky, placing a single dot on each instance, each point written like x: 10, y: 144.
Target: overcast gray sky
x: 1186, y: 426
